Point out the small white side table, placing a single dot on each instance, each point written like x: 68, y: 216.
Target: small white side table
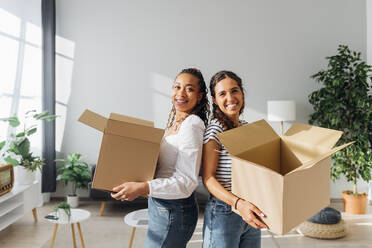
x: 138, y: 218
x: 77, y: 216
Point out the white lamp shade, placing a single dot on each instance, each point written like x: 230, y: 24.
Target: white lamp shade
x: 281, y: 110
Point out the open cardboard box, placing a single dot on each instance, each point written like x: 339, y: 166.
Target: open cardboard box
x: 129, y: 149
x: 287, y: 178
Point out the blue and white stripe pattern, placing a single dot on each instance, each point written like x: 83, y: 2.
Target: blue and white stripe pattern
x: 223, y: 171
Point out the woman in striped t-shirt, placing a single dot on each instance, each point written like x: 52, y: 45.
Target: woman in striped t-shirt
x: 223, y: 227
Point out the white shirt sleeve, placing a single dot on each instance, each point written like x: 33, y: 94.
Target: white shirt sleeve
x: 185, y: 178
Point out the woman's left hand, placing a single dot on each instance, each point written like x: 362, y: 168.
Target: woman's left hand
x: 130, y: 190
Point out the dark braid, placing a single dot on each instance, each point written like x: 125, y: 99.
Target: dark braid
x: 226, y: 122
x: 202, y: 107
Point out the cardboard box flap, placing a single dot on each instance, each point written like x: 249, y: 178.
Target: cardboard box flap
x: 134, y: 131
x: 317, y: 136
x: 118, y: 117
x: 246, y: 137
x: 323, y: 156
x: 93, y: 120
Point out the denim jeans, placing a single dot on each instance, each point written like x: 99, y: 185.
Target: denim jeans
x: 224, y: 228
x: 171, y: 222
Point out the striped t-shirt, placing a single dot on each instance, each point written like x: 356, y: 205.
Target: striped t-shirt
x: 223, y: 171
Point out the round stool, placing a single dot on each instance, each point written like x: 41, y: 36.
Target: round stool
x: 322, y: 231
x: 138, y: 218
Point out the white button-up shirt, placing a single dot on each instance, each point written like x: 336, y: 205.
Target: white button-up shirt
x: 177, y: 171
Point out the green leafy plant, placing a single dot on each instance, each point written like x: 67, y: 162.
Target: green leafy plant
x: 66, y: 207
x: 344, y: 103
x: 16, y: 150
x: 75, y: 171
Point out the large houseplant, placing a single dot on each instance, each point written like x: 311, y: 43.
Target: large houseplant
x: 16, y: 150
x: 344, y: 103
x: 76, y: 172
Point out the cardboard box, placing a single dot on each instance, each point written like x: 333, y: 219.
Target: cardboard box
x: 129, y: 149
x: 287, y: 178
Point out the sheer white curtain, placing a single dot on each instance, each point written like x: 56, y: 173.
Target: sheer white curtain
x: 20, y: 64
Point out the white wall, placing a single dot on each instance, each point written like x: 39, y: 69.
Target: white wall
x: 125, y: 54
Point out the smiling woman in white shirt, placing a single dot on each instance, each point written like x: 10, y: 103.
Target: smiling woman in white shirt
x: 173, y: 210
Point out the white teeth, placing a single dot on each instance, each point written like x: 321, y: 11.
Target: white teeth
x: 230, y: 106
x: 180, y: 101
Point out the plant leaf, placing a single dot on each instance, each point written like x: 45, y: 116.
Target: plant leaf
x: 49, y: 117
x: 2, y: 144
x: 20, y: 134
x: 31, y: 131
x: 24, y: 148
x: 41, y: 115
x: 12, y: 161
x: 13, y: 121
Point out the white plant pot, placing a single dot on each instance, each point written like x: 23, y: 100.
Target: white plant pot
x: 370, y: 193
x: 62, y: 215
x: 73, y: 201
x: 24, y: 176
x: 46, y: 197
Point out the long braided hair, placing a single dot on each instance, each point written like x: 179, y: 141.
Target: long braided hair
x: 202, y: 108
x: 226, y: 122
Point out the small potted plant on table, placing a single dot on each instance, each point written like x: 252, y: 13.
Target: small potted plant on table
x: 63, y: 212
x: 76, y: 172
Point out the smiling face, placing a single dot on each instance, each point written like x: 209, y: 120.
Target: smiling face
x: 229, y: 97
x: 186, y: 93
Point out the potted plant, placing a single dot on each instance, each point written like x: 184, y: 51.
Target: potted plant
x: 63, y: 212
x: 16, y: 150
x: 344, y: 103
x: 75, y: 171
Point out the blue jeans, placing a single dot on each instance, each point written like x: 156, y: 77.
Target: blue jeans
x: 171, y: 222
x: 224, y: 228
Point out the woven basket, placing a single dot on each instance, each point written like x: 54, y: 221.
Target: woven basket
x: 322, y: 231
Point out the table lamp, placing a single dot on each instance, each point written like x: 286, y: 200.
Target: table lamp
x: 281, y: 111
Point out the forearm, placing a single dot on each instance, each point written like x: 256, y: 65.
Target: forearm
x: 175, y: 187
x: 218, y: 191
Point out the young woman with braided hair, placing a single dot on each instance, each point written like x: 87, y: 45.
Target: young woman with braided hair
x: 172, y: 207
x: 223, y: 227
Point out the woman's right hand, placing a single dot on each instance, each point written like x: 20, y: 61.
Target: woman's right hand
x: 251, y: 214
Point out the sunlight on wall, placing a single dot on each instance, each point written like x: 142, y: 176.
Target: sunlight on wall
x: 65, y: 47
x: 162, y: 91
x: 64, y: 66
x: 33, y: 34
x: 9, y: 23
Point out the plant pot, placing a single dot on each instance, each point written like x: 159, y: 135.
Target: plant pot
x: 354, y: 204
x: 370, y: 193
x: 62, y: 215
x: 73, y: 200
x: 24, y: 176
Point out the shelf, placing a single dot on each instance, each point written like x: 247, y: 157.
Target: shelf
x: 11, y: 217
x: 16, y: 203
x: 17, y: 190
x: 11, y: 204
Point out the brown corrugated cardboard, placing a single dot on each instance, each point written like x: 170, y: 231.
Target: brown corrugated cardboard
x: 129, y: 149
x: 287, y: 178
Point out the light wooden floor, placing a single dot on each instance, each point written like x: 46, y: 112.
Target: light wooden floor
x: 111, y: 231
